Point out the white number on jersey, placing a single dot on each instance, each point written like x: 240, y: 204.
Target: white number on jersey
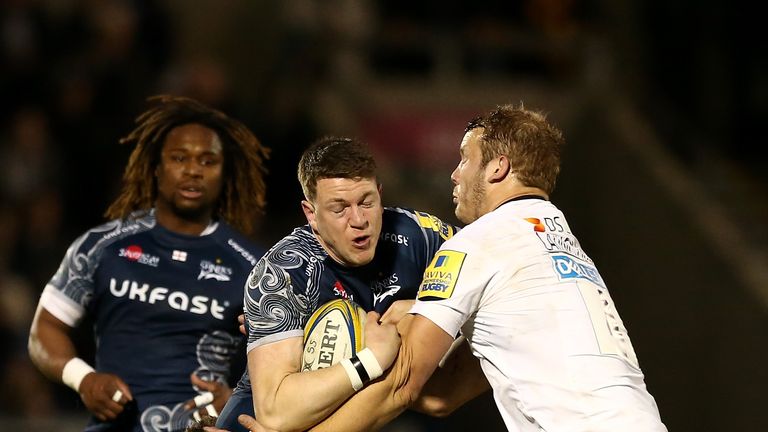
x: 609, y: 329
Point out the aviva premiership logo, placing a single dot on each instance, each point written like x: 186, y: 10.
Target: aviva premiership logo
x: 211, y: 270
x: 440, y: 277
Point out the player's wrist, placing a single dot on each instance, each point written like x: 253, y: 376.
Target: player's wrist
x: 362, y: 368
x: 74, y: 371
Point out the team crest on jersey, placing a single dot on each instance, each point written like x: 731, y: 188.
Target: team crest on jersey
x: 440, y: 277
x: 135, y: 253
x: 385, y: 287
x: 426, y: 220
x: 214, y: 270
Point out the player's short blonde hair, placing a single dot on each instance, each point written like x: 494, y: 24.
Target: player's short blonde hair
x: 532, y: 144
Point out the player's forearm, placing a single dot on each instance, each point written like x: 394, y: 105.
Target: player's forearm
x: 50, y: 346
x: 302, y: 399
x: 458, y: 381
x: 380, y: 402
x: 442, y: 395
x: 370, y: 409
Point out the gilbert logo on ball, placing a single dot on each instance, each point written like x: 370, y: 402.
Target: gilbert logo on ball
x: 333, y: 333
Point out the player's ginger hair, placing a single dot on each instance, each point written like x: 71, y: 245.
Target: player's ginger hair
x: 244, y: 190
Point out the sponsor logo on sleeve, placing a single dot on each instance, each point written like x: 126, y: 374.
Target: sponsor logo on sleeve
x: 440, y: 277
x: 428, y: 221
x: 567, y: 267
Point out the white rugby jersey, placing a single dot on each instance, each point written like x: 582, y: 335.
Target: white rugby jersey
x: 539, y: 317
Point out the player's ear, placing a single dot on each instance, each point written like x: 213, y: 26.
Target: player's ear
x: 309, y: 212
x: 497, y: 169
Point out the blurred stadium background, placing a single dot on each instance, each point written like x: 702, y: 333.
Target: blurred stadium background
x: 663, y: 104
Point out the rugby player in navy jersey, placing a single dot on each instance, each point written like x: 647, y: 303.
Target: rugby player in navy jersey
x: 162, y: 281
x: 352, y: 247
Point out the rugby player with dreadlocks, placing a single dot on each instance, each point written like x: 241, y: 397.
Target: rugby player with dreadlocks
x: 163, y: 281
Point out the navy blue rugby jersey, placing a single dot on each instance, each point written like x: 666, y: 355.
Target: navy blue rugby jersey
x: 164, y: 305
x: 297, y: 275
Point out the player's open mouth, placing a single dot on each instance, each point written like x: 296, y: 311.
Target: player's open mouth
x: 361, y: 242
x: 191, y: 192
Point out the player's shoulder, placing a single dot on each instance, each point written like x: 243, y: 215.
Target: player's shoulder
x: 402, y: 219
x: 511, y: 219
x: 288, y: 261
x: 295, y: 249
x: 238, y: 244
x: 475, y: 236
x: 102, y: 236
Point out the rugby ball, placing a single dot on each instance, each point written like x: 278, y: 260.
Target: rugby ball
x: 333, y: 333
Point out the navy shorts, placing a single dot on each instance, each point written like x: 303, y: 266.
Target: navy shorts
x: 241, y: 402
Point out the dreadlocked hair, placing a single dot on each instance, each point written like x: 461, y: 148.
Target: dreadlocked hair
x: 244, y: 188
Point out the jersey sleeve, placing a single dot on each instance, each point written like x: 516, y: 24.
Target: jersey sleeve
x: 435, y: 230
x: 71, y: 288
x: 452, y: 287
x: 276, y: 301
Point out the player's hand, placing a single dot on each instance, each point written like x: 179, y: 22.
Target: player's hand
x: 215, y: 395
x: 104, y: 394
x: 383, y: 339
x: 241, y: 320
x: 397, y: 311
x: 247, y: 421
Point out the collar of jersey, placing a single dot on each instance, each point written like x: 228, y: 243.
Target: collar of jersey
x: 174, y: 239
x: 520, y: 198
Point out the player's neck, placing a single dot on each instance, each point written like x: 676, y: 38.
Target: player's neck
x: 188, y: 225
x: 497, y: 197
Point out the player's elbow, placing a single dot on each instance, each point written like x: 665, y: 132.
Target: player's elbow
x: 433, y: 406
x: 32, y: 348
x: 270, y: 419
x: 276, y: 418
x: 276, y: 423
x: 407, y: 392
x: 34, y: 345
x: 410, y: 397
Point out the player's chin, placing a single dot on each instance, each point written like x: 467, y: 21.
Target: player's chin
x: 461, y: 214
x: 191, y: 208
x: 360, y: 257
